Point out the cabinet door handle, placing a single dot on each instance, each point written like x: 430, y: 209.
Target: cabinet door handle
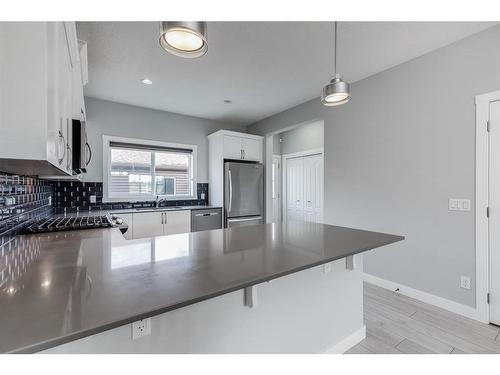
x: 63, y: 139
x: 163, y: 213
x: 244, y: 156
x: 241, y: 154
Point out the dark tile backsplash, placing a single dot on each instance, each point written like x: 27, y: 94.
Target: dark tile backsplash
x: 22, y: 200
x: 71, y: 196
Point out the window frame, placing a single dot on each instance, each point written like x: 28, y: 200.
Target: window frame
x: 106, y: 167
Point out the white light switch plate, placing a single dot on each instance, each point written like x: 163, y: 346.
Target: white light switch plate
x: 92, y: 199
x: 459, y: 204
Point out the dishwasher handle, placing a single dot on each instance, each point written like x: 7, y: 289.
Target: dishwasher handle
x: 207, y: 214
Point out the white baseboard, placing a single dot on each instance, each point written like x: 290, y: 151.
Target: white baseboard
x: 348, y: 342
x: 431, y: 299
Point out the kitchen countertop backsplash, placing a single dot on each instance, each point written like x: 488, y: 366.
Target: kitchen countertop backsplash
x: 70, y: 196
x: 25, y: 199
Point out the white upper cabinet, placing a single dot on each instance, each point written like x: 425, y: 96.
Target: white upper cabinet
x: 240, y: 146
x: 41, y: 93
x: 252, y: 149
x: 233, y: 147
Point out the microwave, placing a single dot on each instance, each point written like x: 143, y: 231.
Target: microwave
x: 81, y: 150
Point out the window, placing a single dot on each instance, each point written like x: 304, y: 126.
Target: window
x: 141, y: 170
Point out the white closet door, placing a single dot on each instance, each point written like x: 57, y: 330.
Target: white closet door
x: 313, y: 188
x: 294, y: 189
x: 494, y: 221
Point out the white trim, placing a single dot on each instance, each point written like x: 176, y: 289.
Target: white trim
x: 348, y: 342
x: 284, y: 158
x: 431, y: 299
x: 106, y: 150
x: 236, y: 134
x: 482, y: 200
x: 313, y: 151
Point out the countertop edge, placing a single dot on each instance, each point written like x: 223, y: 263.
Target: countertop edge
x: 157, y: 311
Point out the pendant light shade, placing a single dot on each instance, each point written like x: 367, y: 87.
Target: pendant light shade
x: 184, y: 38
x: 337, y: 92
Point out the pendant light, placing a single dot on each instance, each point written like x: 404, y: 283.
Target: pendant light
x: 337, y: 91
x: 184, y: 38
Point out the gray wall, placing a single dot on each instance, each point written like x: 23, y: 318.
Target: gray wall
x: 109, y: 118
x: 303, y: 138
x: 398, y: 151
x: 276, y: 144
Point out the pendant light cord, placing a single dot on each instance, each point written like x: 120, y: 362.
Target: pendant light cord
x: 335, y: 50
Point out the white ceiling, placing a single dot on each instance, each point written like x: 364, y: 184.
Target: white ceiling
x: 263, y: 67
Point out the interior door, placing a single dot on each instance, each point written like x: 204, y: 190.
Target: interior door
x: 294, y: 189
x: 276, y: 188
x: 313, y: 188
x: 494, y: 220
x: 148, y: 224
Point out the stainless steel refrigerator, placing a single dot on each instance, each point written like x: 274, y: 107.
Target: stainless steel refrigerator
x: 243, y: 194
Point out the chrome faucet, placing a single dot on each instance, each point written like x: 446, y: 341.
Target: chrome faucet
x: 158, y: 201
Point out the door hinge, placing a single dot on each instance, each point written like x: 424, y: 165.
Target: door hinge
x: 487, y: 212
x: 488, y: 126
x: 488, y: 298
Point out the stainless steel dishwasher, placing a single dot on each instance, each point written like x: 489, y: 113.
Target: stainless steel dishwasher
x: 206, y: 219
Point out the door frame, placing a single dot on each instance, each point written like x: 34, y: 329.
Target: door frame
x: 284, y: 158
x: 279, y: 175
x: 482, y: 202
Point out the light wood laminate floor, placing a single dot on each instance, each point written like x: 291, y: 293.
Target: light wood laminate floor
x: 397, y: 324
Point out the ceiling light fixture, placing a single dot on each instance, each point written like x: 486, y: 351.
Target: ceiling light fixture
x: 184, y: 38
x: 146, y: 81
x: 337, y: 91
x: 228, y: 101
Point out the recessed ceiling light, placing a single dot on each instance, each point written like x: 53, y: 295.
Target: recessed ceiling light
x: 227, y: 101
x: 146, y: 81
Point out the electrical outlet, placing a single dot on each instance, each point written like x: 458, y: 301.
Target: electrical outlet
x: 465, y: 282
x: 202, y: 196
x: 327, y: 267
x: 92, y: 199
x: 141, y: 328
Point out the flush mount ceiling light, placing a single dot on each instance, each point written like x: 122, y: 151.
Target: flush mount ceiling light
x: 337, y: 91
x: 184, y: 38
x: 146, y: 81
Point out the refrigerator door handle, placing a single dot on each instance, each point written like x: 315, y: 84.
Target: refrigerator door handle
x: 236, y: 220
x: 230, y: 191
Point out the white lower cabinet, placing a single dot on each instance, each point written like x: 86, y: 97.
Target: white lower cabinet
x: 150, y: 224
x: 177, y: 222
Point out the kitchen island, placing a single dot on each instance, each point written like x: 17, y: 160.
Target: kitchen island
x: 288, y: 287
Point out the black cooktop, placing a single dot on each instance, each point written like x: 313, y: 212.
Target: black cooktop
x: 55, y: 224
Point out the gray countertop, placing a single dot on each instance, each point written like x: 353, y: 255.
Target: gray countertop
x: 62, y: 286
